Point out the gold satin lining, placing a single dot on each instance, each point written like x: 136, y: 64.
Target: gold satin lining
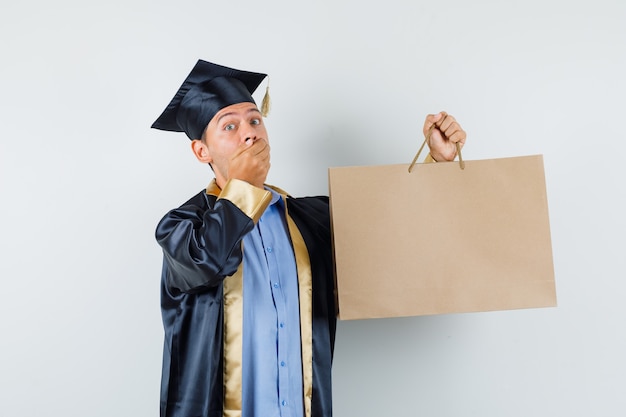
x: 305, y: 289
x: 250, y: 199
x: 233, y: 343
x: 233, y: 313
x: 213, y: 189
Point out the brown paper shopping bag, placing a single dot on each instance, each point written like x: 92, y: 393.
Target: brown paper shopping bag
x: 441, y: 239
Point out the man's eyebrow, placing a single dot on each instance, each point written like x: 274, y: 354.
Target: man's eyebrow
x: 224, y: 115
x: 252, y: 110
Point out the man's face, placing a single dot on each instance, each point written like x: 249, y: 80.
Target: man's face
x: 226, y: 132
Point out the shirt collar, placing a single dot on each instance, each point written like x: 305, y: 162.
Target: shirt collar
x: 276, y: 197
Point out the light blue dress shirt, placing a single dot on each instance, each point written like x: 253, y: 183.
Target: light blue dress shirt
x: 272, y: 358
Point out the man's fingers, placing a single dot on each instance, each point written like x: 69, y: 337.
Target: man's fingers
x: 455, y: 133
x: 445, y: 122
x: 458, y: 137
x: 451, y: 129
x: 253, y: 146
x: 432, y: 119
x: 260, y: 146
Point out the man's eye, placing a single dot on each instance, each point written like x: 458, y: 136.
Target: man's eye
x: 229, y: 126
x: 255, y: 122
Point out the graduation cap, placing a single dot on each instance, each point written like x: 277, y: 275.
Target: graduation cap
x: 207, y: 89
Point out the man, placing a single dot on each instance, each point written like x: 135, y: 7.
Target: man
x: 247, y: 292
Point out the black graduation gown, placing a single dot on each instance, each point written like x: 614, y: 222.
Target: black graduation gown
x: 201, y: 242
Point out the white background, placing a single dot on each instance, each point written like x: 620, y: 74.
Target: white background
x: 84, y: 180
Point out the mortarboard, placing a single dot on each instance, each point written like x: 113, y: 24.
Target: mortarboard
x: 207, y: 89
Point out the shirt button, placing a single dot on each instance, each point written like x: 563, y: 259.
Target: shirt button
x: 282, y: 325
x: 276, y: 285
x: 282, y: 363
x: 284, y: 403
x: 270, y: 249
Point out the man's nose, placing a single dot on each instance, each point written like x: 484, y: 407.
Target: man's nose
x: 247, y: 134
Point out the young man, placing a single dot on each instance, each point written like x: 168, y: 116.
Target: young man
x: 247, y: 292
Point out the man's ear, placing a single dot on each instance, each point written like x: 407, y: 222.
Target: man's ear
x: 201, y: 151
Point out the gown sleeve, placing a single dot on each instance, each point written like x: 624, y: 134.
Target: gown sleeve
x: 201, y: 242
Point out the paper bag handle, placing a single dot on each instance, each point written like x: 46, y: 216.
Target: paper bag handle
x: 458, y: 150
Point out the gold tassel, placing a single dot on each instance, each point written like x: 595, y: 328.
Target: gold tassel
x: 266, y: 104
